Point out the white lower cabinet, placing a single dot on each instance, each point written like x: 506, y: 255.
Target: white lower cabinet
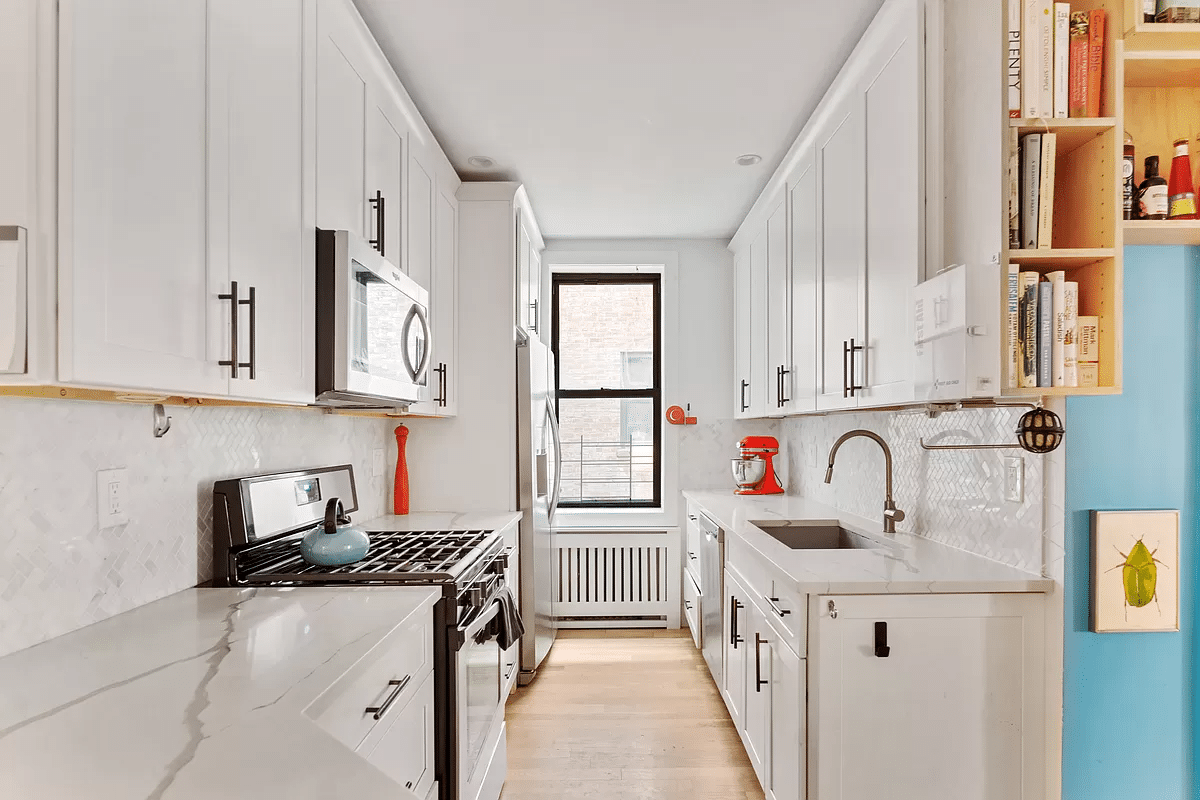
x: 691, y: 607
x: 916, y: 696
x: 904, y: 697
x: 404, y: 750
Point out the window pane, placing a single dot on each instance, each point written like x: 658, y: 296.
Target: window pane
x: 607, y: 449
x: 606, y: 336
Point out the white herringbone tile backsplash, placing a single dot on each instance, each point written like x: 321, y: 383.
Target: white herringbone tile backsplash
x: 951, y: 496
x: 59, y: 572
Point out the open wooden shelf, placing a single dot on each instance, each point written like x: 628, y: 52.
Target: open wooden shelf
x: 1166, y: 68
x: 1073, y: 133
x: 1162, y: 231
x: 1159, y: 35
x: 1064, y: 391
x: 1061, y: 258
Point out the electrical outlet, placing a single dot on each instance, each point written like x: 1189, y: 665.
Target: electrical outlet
x: 111, y: 506
x: 378, y: 462
x: 1014, y: 479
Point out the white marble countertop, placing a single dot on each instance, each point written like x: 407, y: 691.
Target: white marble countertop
x: 444, y: 521
x: 197, y: 695
x: 906, y: 565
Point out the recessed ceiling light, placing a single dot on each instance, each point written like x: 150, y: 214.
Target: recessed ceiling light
x: 748, y: 160
x: 483, y: 162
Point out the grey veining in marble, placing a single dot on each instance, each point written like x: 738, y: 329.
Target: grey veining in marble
x: 200, y: 692
x: 59, y: 571
x: 954, y: 497
x: 445, y: 521
x: 902, y: 564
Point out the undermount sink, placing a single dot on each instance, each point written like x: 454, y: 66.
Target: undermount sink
x: 815, y: 535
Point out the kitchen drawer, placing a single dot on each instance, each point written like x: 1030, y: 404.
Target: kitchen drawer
x: 404, y: 749
x: 693, y: 541
x: 692, y: 600
x: 784, y: 608
x: 400, y: 661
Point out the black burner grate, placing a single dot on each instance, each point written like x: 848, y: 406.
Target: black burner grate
x: 395, y: 556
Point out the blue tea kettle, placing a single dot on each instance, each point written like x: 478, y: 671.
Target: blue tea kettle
x: 335, y: 542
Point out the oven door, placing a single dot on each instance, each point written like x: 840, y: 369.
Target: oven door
x: 380, y: 336
x: 480, y: 698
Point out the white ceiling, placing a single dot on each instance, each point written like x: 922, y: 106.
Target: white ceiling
x: 622, y: 117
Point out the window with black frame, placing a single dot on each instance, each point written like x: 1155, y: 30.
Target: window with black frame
x: 608, y: 377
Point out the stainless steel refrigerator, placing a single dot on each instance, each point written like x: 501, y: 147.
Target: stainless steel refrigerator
x: 539, y: 467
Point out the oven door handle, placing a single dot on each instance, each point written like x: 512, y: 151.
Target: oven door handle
x: 480, y: 622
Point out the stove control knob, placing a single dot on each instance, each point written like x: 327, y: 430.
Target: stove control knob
x: 475, y: 595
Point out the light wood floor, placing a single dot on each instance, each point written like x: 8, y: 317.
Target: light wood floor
x: 628, y: 715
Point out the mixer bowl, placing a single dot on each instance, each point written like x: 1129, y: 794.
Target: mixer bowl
x: 748, y: 472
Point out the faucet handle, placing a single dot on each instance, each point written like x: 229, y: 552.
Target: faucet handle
x: 894, y: 514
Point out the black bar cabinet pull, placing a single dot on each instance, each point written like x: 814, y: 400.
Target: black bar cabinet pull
x: 745, y: 405
x: 733, y: 634
x: 854, y: 386
x: 881, y: 646
x: 758, y: 681
x: 533, y: 324
x: 377, y: 201
x: 398, y: 687
x: 232, y: 297
x: 845, y: 369
x: 252, y: 364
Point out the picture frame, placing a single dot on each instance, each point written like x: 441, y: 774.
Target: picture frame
x: 1135, y: 571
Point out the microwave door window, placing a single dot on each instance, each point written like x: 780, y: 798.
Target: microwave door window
x: 377, y: 321
x: 416, y: 344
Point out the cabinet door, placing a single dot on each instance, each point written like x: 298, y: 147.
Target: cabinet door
x: 383, y: 177
x: 692, y: 610
x: 342, y: 90
x: 741, y: 335
x: 842, y: 171
x: 953, y: 709
x: 445, y: 287
x: 258, y: 194
x: 136, y: 293
x: 762, y: 391
x: 404, y: 751
x: 733, y: 678
x: 693, y: 539
x: 756, y: 721
x: 537, y: 314
x: 805, y: 210
x: 895, y: 200
x: 421, y: 202
x: 777, y: 300
x: 523, y: 250
x: 785, y: 763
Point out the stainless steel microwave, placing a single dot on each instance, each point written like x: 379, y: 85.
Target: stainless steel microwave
x: 373, y: 339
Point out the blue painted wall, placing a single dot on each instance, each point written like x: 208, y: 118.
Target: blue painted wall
x: 1130, y: 700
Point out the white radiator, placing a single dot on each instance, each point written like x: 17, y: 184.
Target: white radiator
x: 617, y: 579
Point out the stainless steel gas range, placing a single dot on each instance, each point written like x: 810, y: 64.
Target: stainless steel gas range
x: 258, y: 523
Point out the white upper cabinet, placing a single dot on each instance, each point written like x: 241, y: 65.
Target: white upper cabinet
x: 342, y: 88
x: 384, y: 179
x: 529, y: 312
x: 843, y: 237
x: 850, y: 240
x: 260, y: 195
x: 805, y: 216
x: 138, y: 294
x: 421, y: 200
x: 742, y: 372
x: 895, y: 194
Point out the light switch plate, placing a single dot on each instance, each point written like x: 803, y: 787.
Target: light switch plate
x: 1014, y: 479
x: 112, y: 506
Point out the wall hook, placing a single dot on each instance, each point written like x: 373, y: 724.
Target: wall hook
x: 162, y: 423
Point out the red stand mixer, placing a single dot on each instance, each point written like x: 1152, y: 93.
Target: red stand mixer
x: 754, y: 471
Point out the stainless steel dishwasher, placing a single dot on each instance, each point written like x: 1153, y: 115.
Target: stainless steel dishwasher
x: 712, y: 573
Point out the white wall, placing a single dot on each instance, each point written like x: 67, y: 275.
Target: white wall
x: 59, y: 571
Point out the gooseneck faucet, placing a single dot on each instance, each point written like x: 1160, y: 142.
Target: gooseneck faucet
x: 891, y: 514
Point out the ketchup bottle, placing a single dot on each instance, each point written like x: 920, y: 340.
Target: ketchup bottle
x: 1181, y: 198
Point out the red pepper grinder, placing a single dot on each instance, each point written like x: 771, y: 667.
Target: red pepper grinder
x: 400, y: 494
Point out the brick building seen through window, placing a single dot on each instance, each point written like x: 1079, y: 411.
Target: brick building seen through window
x: 606, y: 341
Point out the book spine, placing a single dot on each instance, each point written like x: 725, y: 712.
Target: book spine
x: 1014, y: 326
x: 1095, y: 61
x: 1062, y: 18
x: 1031, y: 161
x: 1058, y: 315
x: 1071, y: 334
x: 1089, y: 339
x: 1028, y: 284
x: 1077, y: 65
x: 1045, y: 52
x: 1014, y: 58
x: 1029, y: 59
x: 1046, y: 191
x: 1045, y: 334
x: 1014, y: 190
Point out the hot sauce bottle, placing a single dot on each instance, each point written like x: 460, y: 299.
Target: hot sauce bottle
x: 1181, y: 198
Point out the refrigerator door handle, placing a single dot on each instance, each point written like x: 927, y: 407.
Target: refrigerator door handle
x: 553, y: 420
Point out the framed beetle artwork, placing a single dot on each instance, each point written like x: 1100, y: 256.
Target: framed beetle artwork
x: 1135, y: 571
